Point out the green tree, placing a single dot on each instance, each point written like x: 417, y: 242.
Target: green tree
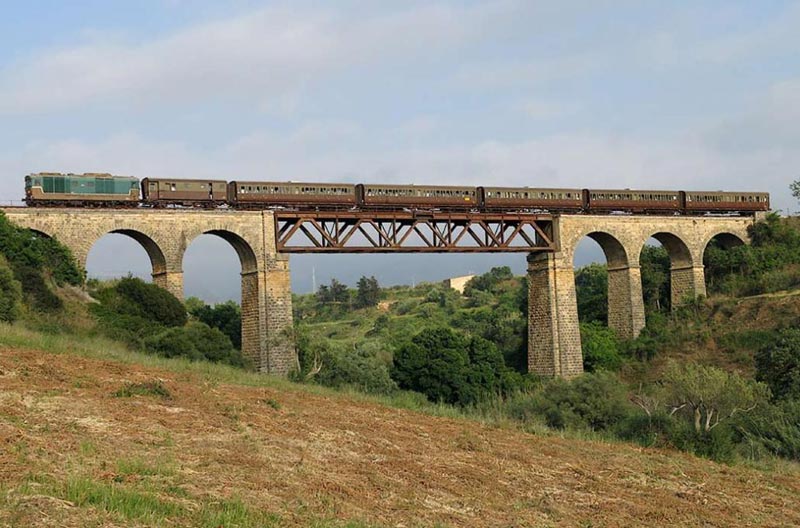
x: 368, y: 292
x: 196, y: 341
x: 140, y: 298
x: 591, y: 289
x: 449, y: 367
x: 226, y: 317
x: 778, y: 365
x: 336, y: 292
x: 600, y: 347
x: 654, y: 263
x: 10, y: 294
x: 709, y: 396
x: 488, y: 281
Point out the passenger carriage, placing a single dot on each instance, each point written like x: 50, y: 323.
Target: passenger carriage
x: 159, y: 192
x: 428, y: 197
x: 261, y: 194
x: 530, y: 199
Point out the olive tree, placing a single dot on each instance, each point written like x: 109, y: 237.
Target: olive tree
x: 710, y: 396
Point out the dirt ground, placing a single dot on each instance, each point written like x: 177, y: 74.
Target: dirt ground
x: 301, y: 456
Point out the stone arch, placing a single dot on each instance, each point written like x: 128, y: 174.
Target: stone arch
x: 677, y: 249
x: 684, y: 281
x: 616, y: 255
x: 723, y: 239
x: 726, y: 239
x: 82, y: 246
x: 247, y: 256
x: 157, y: 259
x: 253, y: 312
x: 625, y: 304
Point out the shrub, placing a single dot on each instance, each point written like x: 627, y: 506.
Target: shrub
x: 778, y: 364
x: 591, y: 289
x: 596, y: 401
x: 646, y: 430
x: 227, y: 317
x: 775, y: 429
x: 10, y: 295
x: 600, y: 347
x: 38, y: 295
x: 357, y: 369
x: 448, y: 367
x: 142, y: 299
x: 195, y: 341
x: 145, y: 388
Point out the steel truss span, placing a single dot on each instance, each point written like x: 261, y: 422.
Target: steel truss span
x: 407, y: 232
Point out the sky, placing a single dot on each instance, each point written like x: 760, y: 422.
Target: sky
x: 638, y: 94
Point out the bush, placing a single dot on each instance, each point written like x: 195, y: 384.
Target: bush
x: 24, y: 249
x: 195, y: 341
x: 358, y: 369
x: 10, y: 295
x: 448, y: 367
x: 775, y: 430
x: 646, y: 430
x: 778, y: 364
x: 149, y: 301
x: 600, y: 347
x: 591, y: 289
x: 227, y: 317
x: 37, y: 294
x: 596, y: 401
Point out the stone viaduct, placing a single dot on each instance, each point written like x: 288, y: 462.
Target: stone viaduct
x: 554, y: 337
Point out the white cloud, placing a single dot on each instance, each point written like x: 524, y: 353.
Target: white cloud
x: 267, y: 55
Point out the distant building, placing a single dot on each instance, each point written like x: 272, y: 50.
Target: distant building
x: 458, y: 283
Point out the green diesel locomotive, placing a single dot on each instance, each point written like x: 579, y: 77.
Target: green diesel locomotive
x: 81, y: 190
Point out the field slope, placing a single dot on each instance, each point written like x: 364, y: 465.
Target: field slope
x: 81, y: 444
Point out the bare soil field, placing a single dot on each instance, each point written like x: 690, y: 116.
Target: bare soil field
x: 82, y: 445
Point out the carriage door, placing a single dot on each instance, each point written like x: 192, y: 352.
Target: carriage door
x: 211, y: 191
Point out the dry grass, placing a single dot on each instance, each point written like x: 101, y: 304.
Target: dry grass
x: 234, y: 449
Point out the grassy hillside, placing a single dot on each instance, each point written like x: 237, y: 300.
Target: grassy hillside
x: 95, y: 435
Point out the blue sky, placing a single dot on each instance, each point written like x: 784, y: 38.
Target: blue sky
x: 702, y: 95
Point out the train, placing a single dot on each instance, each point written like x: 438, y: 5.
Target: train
x: 105, y: 190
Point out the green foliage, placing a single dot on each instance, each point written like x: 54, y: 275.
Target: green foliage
x: 139, y: 298
x: 488, y: 282
x: 355, y: 368
x: 335, y: 293
x: 600, y: 347
x: 770, y: 263
x: 368, y: 292
x: 778, y: 364
x: 449, y: 367
x: 144, y: 388
x: 654, y: 263
x: 775, y: 430
x: 35, y: 290
x: 596, y: 401
x: 196, y: 341
x: 591, y: 289
x: 25, y: 249
x: 10, y: 295
x: 227, y: 317
x: 708, y: 396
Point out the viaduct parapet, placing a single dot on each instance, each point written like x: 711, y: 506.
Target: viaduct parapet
x: 554, y: 347
x: 165, y: 235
